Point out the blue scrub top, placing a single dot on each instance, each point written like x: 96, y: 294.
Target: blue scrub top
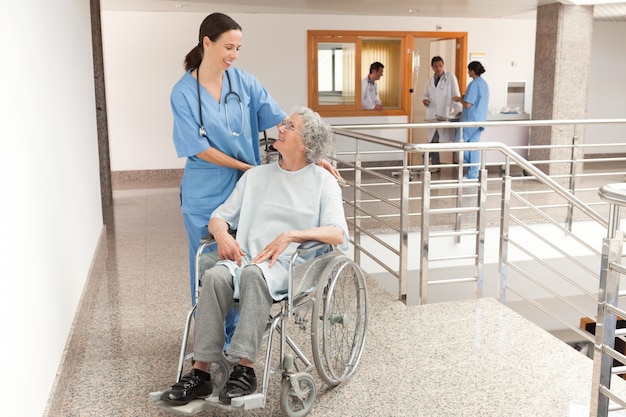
x: 205, y: 186
x: 477, y: 93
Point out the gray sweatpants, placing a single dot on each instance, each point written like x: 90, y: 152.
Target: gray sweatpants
x: 216, y: 299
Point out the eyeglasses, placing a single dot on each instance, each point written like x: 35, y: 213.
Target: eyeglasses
x: 289, y: 125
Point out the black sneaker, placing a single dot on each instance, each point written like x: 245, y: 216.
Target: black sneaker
x: 196, y: 384
x: 242, y: 381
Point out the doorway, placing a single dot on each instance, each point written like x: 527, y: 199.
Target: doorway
x: 424, y: 49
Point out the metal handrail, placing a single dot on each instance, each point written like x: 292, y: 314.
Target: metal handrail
x: 512, y: 158
x: 456, y: 125
x: 608, y: 310
x: 612, y: 248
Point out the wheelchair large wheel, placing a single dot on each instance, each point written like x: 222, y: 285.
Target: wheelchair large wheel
x: 339, y: 320
x: 297, y: 404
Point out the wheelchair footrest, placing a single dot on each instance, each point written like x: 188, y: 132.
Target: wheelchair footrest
x: 247, y: 402
x: 193, y: 408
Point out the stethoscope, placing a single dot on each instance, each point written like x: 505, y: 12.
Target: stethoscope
x: 442, y: 78
x: 202, y: 130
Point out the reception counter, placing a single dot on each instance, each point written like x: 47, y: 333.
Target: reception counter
x: 509, y: 135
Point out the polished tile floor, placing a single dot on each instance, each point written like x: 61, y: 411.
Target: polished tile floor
x: 469, y: 358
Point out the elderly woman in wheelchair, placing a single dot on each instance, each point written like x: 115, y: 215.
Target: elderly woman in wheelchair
x: 273, y: 208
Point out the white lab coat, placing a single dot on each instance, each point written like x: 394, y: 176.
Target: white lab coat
x: 441, y: 102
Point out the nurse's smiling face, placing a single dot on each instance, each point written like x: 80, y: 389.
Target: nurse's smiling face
x: 225, y: 50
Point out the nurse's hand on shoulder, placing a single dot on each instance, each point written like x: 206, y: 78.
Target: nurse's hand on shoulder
x: 330, y: 168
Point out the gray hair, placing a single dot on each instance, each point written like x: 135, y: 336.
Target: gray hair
x: 317, y: 136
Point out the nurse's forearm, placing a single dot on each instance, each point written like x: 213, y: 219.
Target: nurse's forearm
x: 216, y: 157
x: 464, y: 103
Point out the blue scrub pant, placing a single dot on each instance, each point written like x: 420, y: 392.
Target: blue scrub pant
x: 196, y: 226
x: 472, y: 158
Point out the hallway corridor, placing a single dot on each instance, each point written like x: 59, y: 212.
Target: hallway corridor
x: 474, y: 358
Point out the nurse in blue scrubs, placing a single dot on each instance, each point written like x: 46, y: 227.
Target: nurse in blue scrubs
x: 475, y: 103
x: 218, y: 114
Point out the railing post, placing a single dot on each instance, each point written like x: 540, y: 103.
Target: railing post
x: 357, y: 204
x: 425, y: 238
x: 572, y: 181
x: 504, y: 232
x: 480, y: 228
x: 605, y: 324
x: 459, y: 191
x: 404, y: 228
x: 608, y: 299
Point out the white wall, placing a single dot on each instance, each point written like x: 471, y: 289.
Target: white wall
x: 144, y: 55
x: 607, y: 87
x: 51, y: 217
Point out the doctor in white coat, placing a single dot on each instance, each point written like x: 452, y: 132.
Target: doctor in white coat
x: 437, y: 98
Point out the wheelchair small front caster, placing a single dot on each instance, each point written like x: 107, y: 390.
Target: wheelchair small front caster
x: 219, y: 374
x: 297, y: 394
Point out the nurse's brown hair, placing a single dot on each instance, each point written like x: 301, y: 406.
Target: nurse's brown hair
x: 477, y: 67
x: 212, y: 26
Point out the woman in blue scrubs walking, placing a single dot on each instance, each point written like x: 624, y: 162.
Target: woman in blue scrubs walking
x: 475, y: 104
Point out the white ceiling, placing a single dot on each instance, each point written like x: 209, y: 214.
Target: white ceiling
x: 430, y: 8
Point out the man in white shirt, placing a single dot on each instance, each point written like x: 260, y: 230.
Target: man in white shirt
x: 369, y: 90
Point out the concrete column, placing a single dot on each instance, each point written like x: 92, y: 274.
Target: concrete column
x: 561, y: 80
x: 101, y: 109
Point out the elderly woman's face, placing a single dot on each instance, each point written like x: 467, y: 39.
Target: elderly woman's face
x: 290, y: 136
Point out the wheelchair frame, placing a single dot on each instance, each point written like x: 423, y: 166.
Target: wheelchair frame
x: 268, y: 153
x: 338, y: 330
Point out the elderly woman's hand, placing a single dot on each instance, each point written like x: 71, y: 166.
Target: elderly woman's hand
x: 274, y: 249
x: 227, y: 246
x: 229, y: 249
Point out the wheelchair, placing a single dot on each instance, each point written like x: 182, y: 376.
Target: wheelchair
x: 268, y: 153
x: 329, y: 289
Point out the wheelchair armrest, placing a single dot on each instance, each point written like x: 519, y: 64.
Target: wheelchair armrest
x: 208, y: 238
x: 310, y: 246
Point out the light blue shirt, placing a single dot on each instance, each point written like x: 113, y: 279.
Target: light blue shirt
x: 205, y: 185
x: 477, y: 93
x: 268, y: 201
